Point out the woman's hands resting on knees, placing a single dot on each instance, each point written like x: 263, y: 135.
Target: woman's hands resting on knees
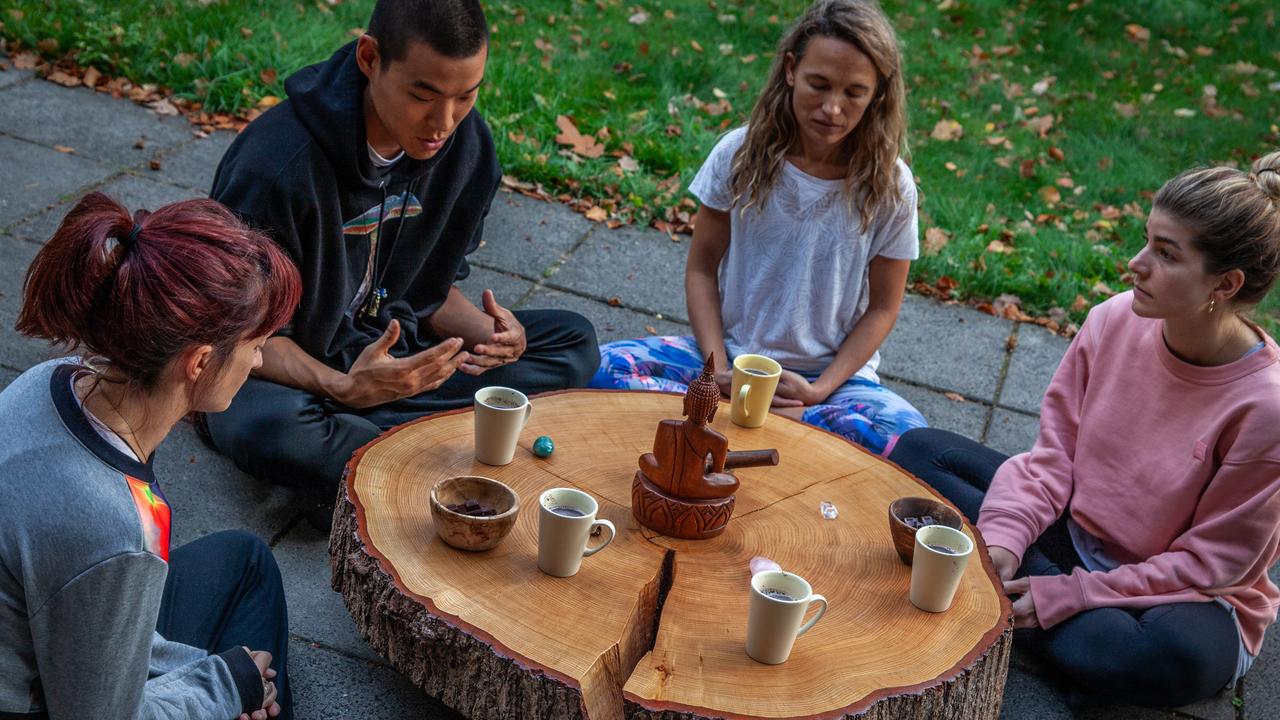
x: 270, y: 708
x: 1024, y: 608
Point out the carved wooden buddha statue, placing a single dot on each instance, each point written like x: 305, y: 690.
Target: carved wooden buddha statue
x: 684, y: 488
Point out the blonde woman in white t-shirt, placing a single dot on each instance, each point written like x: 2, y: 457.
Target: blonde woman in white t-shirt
x: 805, y: 235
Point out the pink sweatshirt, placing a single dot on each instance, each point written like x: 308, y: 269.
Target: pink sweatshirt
x: 1176, y: 468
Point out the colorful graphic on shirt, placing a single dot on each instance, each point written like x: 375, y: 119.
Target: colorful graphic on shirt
x: 366, y: 223
x: 154, y: 512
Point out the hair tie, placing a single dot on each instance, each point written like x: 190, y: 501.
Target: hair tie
x: 132, y: 237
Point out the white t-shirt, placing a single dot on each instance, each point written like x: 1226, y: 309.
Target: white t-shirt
x: 793, y: 282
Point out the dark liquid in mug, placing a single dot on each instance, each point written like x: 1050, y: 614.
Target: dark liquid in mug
x: 497, y: 401
x: 942, y: 549
x: 777, y: 595
x: 757, y: 373
x: 568, y: 511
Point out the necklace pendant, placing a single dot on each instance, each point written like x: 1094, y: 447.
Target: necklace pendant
x: 375, y: 302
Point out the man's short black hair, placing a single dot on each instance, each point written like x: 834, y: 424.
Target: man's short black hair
x: 453, y: 28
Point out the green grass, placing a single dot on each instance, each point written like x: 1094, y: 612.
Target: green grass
x: 976, y: 62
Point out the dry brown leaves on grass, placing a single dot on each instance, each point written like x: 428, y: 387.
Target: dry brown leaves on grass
x: 583, y: 145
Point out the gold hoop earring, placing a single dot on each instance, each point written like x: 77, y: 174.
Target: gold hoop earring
x: 1212, y: 302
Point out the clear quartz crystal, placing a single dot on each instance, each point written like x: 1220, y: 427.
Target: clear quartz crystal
x: 828, y: 510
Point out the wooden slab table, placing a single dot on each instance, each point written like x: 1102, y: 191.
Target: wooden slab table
x: 653, y: 627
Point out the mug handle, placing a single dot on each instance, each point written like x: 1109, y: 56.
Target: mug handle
x: 815, y: 598
x: 612, y: 531
x: 742, y: 399
x: 528, y: 410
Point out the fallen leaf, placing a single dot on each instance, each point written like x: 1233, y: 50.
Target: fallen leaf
x: 1011, y: 344
x: 1041, y: 124
x: 1057, y: 154
x: 1000, y: 246
x: 639, y: 18
x: 583, y: 145
x: 1184, y: 113
x: 48, y: 45
x: 268, y: 101
x: 1125, y: 110
x: 1042, y: 86
x: 25, y: 61
x: 91, y: 77
x: 651, y: 329
x: 628, y: 163
x: 1101, y: 288
x: 183, y: 59
x: 934, y: 240
x: 694, y: 44
x: 1242, y: 67
x: 1137, y: 33
x: 597, y: 214
x: 268, y: 76
x: 64, y: 79
x: 615, y: 301
x: 154, y: 164
x: 947, y: 130
x: 1080, y: 304
x: 1203, y: 51
x: 1027, y: 169
x: 64, y: 149
x: 953, y: 396
x: 1050, y: 195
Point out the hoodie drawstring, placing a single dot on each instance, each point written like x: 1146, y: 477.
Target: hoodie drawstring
x: 378, y: 293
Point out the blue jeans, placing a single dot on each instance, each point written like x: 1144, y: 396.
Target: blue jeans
x: 224, y: 591
x: 861, y: 410
x: 1163, y: 656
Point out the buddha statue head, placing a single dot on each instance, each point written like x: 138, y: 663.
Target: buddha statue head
x: 703, y: 397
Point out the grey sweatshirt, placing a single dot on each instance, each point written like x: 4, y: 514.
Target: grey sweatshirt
x: 84, y: 547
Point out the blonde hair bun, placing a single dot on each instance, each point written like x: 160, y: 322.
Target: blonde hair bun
x: 1266, y: 172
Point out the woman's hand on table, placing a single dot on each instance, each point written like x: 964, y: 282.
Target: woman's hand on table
x: 1024, y: 608
x: 1006, y: 562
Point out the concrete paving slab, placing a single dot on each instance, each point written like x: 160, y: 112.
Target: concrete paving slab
x: 133, y: 191
x: 331, y: 686
x: 1262, y: 683
x: 946, y: 347
x: 98, y: 126
x: 611, y: 323
x: 192, y: 165
x: 942, y: 412
x: 1029, y: 696
x: 16, y: 351
x: 36, y: 177
x: 1218, y: 707
x: 527, y: 236
x: 9, y: 75
x: 509, y: 290
x: 1012, y: 433
x: 316, y: 612
x: 209, y: 494
x: 641, y: 267
x: 1031, y: 368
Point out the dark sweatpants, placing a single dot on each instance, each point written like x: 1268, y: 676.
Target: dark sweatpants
x: 285, y: 435
x: 1164, y: 656
x: 224, y: 591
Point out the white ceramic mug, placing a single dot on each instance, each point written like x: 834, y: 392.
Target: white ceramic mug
x: 936, y: 573
x: 779, y: 601
x: 755, y: 378
x: 566, y: 517
x: 501, y: 413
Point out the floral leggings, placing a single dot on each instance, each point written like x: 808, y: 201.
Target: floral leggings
x: 861, y: 410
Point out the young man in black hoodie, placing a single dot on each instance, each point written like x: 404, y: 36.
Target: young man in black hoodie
x: 376, y: 175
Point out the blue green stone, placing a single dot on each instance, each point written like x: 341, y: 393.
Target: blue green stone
x: 543, y: 446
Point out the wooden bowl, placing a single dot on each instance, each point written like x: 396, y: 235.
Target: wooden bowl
x: 470, y: 532
x: 904, y: 536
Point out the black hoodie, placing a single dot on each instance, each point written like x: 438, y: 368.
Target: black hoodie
x: 302, y: 173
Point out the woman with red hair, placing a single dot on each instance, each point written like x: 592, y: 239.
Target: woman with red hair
x: 169, y: 311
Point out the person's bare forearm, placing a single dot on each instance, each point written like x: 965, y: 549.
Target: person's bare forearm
x: 702, y: 293
x: 857, y: 348
x: 459, y: 317
x: 284, y: 362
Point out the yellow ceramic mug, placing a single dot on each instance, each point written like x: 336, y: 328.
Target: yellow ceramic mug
x: 755, y: 377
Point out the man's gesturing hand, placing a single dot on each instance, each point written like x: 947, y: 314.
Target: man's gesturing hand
x: 376, y: 378
x: 503, y: 347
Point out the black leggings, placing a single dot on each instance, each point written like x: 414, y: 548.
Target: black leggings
x: 1164, y: 656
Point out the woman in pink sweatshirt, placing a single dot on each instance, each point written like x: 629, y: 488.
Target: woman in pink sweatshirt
x: 1137, y: 533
